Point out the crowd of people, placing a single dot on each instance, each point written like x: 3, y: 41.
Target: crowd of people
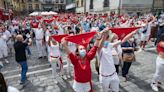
x: 83, y: 37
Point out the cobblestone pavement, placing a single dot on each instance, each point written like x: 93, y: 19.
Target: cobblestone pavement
x: 41, y: 80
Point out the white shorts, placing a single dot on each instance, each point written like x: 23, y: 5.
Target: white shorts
x: 144, y: 37
x: 81, y: 87
x: 112, y: 81
x: 3, y: 52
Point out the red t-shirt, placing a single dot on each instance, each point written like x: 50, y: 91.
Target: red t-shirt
x: 159, y: 48
x: 82, y: 72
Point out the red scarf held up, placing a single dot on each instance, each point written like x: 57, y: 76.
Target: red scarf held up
x: 81, y: 39
x: 59, y: 37
x: 122, y: 32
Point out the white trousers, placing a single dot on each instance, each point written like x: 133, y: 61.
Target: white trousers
x: 81, y: 87
x: 68, y: 67
x: 111, y: 81
x: 55, y: 65
x: 3, y: 52
x: 159, y: 73
x: 40, y: 48
x: 144, y: 37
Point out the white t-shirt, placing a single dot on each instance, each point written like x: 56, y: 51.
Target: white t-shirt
x: 8, y: 34
x: 39, y: 33
x: 148, y: 32
x: 106, y: 60
x: 12, y: 89
x: 3, y: 39
x: 54, y: 50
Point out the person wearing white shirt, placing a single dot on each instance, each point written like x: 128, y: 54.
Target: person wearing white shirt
x: 55, y: 59
x: 108, y: 76
x: 3, y: 44
x: 116, y: 52
x: 47, y: 35
x: 39, y: 37
x: 9, y: 42
x: 146, y: 32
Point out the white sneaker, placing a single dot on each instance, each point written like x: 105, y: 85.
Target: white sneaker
x: 6, y: 61
x: 64, y: 77
x: 154, y: 87
x: 69, y: 76
x: 55, y: 81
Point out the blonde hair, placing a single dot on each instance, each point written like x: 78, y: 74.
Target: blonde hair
x: 19, y: 38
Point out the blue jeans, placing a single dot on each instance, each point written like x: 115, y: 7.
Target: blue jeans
x: 28, y: 50
x: 24, y: 67
x: 125, y: 68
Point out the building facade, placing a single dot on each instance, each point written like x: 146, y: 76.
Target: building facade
x: 138, y: 6
x: 158, y: 5
x: 2, y: 5
x: 5, y: 4
x: 80, y: 8
x: 70, y: 6
x: 29, y: 6
x: 118, y: 6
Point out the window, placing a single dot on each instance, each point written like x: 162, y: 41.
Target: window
x: 91, y: 4
x: 82, y: 3
x: 77, y: 4
x: 48, y: 1
x: 37, y: 6
x: 57, y: 1
x: 61, y: 1
x: 30, y: 0
x: 106, y: 3
x: 30, y: 7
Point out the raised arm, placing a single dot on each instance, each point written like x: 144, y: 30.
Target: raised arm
x: 125, y: 38
x: 64, y: 43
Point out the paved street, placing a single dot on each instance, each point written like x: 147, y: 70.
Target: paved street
x: 40, y: 79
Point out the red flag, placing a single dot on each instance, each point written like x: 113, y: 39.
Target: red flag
x: 39, y: 17
x: 35, y: 24
x: 82, y: 39
x: 56, y: 27
x: 48, y: 20
x: 122, y: 32
x: 55, y: 16
x: 59, y: 37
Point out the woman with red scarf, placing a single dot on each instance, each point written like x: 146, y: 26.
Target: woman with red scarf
x: 81, y: 62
